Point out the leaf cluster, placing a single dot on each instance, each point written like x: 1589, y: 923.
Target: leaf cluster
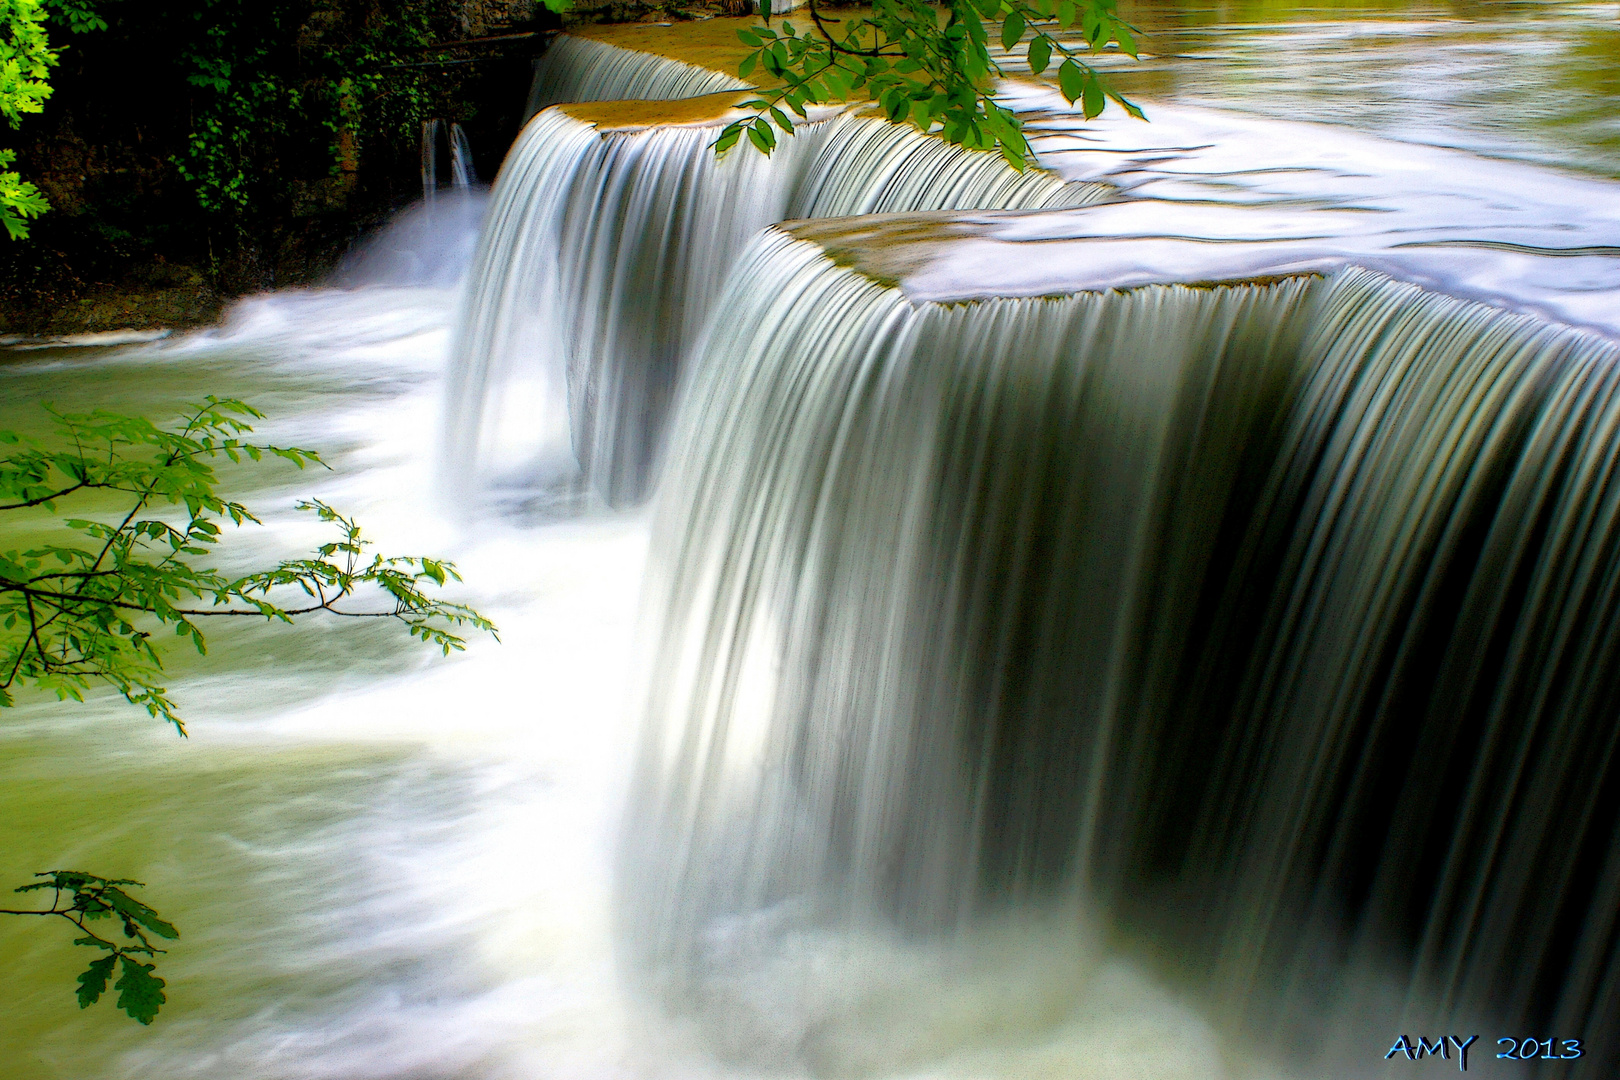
x: 929, y: 65
x: 82, y: 899
x: 26, y: 59
x: 19, y: 199
x: 93, y: 608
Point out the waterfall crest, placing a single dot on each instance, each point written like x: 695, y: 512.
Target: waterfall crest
x: 1275, y: 626
x: 579, y: 69
x: 604, y: 251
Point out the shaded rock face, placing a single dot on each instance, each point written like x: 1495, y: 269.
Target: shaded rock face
x: 479, y: 17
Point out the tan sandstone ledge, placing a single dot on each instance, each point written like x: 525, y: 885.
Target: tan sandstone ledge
x: 702, y: 111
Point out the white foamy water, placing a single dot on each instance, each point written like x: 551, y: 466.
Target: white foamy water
x: 1213, y: 195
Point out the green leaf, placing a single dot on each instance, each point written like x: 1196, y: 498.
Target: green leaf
x: 1092, y: 99
x: 782, y: 122
x: 746, y: 68
x: 93, y: 980
x: 1040, y: 54
x: 749, y: 38
x: 1011, y: 30
x: 141, y: 992
x: 1071, y: 80
x: 1100, y: 33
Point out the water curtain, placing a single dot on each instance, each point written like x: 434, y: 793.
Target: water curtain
x: 605, y: 249
x: 462, y: 174
x: 1271, y: 629
x: 431, y: 130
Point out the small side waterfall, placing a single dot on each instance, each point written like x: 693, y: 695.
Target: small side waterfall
x: 1271, y: 627
x: 605, y: 249
x: 579, y: 69
x: 462, y: 176
x: 462, y: 173
x: 431, y: 130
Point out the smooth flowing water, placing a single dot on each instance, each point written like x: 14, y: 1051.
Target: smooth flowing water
x: 608, y: 241
x: 386, y: 865
x: 1534, y: 81
x: 1266, y: 625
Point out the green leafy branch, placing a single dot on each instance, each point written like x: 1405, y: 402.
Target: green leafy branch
x: 929, y: 66
x: 82, y: 898
x: 19, y: 199
x: 26, y: 59
x: 340, y: 568
x: 91, y: 610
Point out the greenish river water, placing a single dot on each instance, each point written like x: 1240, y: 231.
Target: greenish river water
x: 365, y: 846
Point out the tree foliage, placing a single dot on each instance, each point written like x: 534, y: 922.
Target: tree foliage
x: 275, y: 82
x: 82, y: 898
x: 930, y: 65
x: 273, y: 85
x: 277, y: 98
x: 26, y: 59
x: 93, y: 607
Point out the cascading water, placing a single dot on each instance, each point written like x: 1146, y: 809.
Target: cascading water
x: 462, y: 173
x: 1269, y: 627
x: 462, y: 176
x: 579, y: 69
x: 431, y: 132
x: 604, y: 250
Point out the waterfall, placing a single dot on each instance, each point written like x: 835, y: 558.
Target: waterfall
x: 579, y: 69
x: 462, y: 174
x: 1272, y: 628
x: 605, y: 248
x: 431, y: 130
